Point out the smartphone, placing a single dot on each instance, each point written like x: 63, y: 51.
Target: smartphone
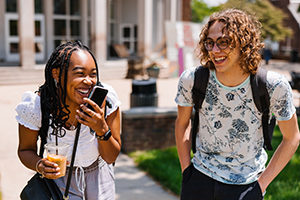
x: 97, y: 95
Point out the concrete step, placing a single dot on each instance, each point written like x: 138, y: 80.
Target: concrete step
x: 16, y: 75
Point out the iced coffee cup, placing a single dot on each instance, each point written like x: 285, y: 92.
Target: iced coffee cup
x: 58, y: 154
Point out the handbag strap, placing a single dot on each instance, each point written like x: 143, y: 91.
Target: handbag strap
x: 43, y: 136
x: 72, y: 162
x: 65, y: 196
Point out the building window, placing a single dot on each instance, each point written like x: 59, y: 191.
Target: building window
x: 59, y: 7
x: 38, y: 6
x: 67, y: 18
x: 75, y: 28
x: 129, y: 37
x: 13, y: 27
x: 59, y: 27
x: 14, y: 47
x: 12, y: 32
x: 112, y: 21
x: 11, y: 6
x: 38, y: 28
x: 39, y: 47
x: 75, y: 7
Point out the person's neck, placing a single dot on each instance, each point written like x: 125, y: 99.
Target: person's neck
x: 72, y: 117
x: 232, y: 78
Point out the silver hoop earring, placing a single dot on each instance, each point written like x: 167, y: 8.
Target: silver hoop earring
x: 55, y: 82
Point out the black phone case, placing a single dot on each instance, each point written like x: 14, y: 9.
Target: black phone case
x: 97, y: 95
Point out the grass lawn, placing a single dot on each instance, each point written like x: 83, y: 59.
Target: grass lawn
x: 164, y: 167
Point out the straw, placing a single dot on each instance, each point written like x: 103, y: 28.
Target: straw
x: 56, y: 141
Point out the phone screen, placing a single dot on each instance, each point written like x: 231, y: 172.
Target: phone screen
x: 97, y: 95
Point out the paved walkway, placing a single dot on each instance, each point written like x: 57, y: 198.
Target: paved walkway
x: 131, y: 183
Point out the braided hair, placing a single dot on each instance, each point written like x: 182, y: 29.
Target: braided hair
x: 53, y: 94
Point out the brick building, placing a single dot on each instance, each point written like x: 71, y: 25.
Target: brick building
x: 292, y: 9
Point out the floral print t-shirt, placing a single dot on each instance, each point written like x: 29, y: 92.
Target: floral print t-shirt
x: 230, y: 140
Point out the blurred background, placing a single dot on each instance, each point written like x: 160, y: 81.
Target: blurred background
x: 129, y: 36
x: 142, y: 47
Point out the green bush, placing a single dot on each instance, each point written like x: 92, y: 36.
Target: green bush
x: 164, y: 167
x: 287, y: 184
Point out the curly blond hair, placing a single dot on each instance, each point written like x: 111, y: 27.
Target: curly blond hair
x: 240, y: 27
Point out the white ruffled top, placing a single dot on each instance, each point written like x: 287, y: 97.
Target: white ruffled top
x: 29, y: 115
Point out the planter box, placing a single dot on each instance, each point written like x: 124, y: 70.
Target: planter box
x: 146, y: 128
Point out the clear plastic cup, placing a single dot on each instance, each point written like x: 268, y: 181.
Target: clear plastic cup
x: 58, y: 154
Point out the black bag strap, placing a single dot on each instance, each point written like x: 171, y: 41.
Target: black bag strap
x: 262, y: 101
x: 72, y: 162
x: 72, y: 159
x: 198, y: 95
x: 43, y: 136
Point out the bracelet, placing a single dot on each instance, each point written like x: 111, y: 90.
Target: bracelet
x: 37, y: 164
x: 104, y: 137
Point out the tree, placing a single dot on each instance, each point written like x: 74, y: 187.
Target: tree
x: 200, y: 10
x: 268, y: 15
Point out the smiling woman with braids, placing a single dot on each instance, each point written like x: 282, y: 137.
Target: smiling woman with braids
x: 70, y: 74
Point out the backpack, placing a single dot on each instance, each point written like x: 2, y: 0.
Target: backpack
x: 260, y: 96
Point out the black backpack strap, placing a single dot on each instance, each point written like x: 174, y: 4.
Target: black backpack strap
x: 198, y: 95
x: 262, y: 102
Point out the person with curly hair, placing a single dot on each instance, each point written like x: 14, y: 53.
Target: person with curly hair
x: 71, y: 72
x: 229, y: 162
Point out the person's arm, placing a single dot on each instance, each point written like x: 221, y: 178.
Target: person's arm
x: 283, y: 153
x: 182, y: 136
x: 27, y: 152
x: 110, y: 149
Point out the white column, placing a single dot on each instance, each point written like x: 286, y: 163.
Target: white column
x: 145, y: 26
x: 49, y: 27
x: 84, y: 22
x: 98, y: 30
x: 160, y: 22
x: 173, y: 10
x: 26, y: 33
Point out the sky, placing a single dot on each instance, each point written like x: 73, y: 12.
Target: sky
x: 214, y: 2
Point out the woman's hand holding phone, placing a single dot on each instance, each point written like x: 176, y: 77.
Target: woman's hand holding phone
x: 92, y: 113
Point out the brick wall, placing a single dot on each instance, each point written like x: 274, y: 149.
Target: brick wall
x: 145, y: 128
x: 290, y: 22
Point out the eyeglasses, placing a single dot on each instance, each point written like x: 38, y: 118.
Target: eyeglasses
x: 222, y: 43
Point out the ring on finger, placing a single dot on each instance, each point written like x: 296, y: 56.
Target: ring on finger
x: 93, y: 114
